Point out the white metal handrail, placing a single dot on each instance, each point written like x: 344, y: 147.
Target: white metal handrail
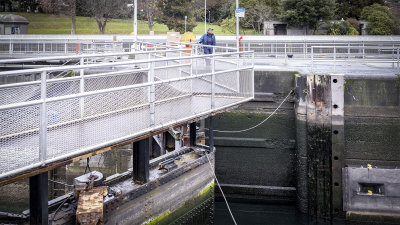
x: 348, y: 56
x: 115, y: 106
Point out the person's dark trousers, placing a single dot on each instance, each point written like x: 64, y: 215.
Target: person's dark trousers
x: 208, y: 51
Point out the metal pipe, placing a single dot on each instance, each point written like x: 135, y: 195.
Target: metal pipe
x: 334, y: 60
x: 152, y: 95
x: 43, y: 120
x: 128, y: 62
x: 82, y: 90
x: 60, y: 80
x: 5, y: 61
x: 312, y: 58
x: 237, y: 27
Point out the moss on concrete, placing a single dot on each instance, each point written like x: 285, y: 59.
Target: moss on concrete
x: 347, y: 83
x: 160, y: 219
x: 170, y: 217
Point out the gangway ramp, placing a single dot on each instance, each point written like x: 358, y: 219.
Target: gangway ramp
x: 86, y: 112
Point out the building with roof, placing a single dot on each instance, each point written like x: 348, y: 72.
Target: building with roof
x: 272, y: 28
x: 13, y: 24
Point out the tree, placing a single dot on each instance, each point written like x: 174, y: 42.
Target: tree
x: 381, y: 21
x: 307, y: 13
x: 341, y: 28
x: 174, y: 12
x: 105, y: 10
x: 229, y: 24
x: 257, y: 11
x: 64, y: 7
x: 352, y: 9
x: 151, y: 9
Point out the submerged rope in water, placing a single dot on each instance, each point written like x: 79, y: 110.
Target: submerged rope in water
x: 265, y: 120
x: 223, y: 195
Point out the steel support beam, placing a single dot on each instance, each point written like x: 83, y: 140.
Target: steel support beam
x: 211, y: 132
x: 337, y: 109
x: 38, y: 199
x: 192, y: 134
x: 141, y: 161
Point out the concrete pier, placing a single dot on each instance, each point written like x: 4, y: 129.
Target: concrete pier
x: 336, y: 121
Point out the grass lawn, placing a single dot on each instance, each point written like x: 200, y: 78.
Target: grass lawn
x: 50, y: 24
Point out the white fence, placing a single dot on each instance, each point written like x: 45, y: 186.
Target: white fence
x: 96, y: 103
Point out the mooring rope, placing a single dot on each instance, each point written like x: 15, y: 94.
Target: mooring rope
x: 265, y: 120
x: 223, y: 195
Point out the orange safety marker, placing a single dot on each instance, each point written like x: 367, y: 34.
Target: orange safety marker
x: 77, y: 46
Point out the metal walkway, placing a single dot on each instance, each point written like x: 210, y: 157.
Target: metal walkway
x: 52, y: 114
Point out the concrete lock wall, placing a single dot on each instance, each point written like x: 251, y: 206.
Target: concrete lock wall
x: 298, y: 155
x: 259, y: 164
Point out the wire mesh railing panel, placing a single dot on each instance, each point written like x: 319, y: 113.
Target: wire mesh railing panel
x: 175, y: 70
x: 114, y: 79
x: 106, y: 125
x: 227, y: 82
x: 62, y: 88
x: 19, y: 140
x: 19, y: 151
x: 17, y: 120
x: 172, y: 90
x: 9, y: 95
x: 70, y: 110
x: 243, y: 88
x: 5, y: 48
x: 175, y: 100
x: 202, y: 91
x: 62, y: 111
x: 115, y: 101
x: 186, y: 69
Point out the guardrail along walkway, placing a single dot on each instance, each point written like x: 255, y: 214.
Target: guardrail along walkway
x: 66, y: 111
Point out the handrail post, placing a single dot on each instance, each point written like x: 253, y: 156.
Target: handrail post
x: 196, y: 52
x: 43, y: 119
x: 312, y: 58
x: 348, y: 54
x: 285, y: 54
x: 363, y: 52
x: 334, y: 59
x: 191, y: 62
x: 393, y: 56
x: 180, y: 62
x: 191, y: 69
x: 11, y: 50
x: 213, y: 80
x: 82, y: 89
x: 152, y: 96
x: 252, y: 76
x: 237, y: 72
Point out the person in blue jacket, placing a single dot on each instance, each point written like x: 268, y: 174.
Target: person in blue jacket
x: 208, y: 39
